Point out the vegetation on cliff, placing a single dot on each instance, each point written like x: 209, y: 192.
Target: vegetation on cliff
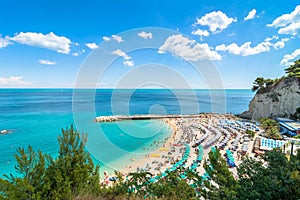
x: 262, y: 85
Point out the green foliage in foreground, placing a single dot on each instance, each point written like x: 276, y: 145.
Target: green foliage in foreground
x: 72, y: 175
x: 40, y: 176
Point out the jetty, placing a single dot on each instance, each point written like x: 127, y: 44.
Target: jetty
x: 143, y: 117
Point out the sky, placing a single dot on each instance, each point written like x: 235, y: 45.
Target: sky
x: 47, y: 44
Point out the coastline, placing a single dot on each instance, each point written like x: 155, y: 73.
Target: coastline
x: 141, y: 162
x: 185, y: 134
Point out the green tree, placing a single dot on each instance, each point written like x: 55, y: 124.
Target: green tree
x: 73, y: 171
x: 269, y: 178
x: 42, y: 177
x: 271, y: 128
x: 258, y: 84
x: 173, y: 186
x: 222, y: 184
x: 30, y: 182
x: 294, y: 69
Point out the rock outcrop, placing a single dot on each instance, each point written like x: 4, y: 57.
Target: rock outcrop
x: 277, y: 100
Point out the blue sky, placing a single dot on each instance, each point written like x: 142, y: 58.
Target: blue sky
x: 45, y: 43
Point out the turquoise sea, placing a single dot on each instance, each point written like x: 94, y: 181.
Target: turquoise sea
x: 36, y: 116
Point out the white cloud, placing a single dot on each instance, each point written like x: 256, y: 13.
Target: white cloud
x: 92, y: 45
x: 106, y: 39
x: 250, y: 15
x: 4, y: 42
x: 291, y: 29
x: 13, y: 81
x: 216, y: 21
x: 145, y: 35
x: 188, y: 49
x: 77, y: 53
x: 117, y: 38
x: 288, y: 23
x: 288, y: 59
x: 51, y: 41
x: 47, y: 62
x: 121, y: 53
x: 280, y: 44
x: 128, y: 63
x: 246, y: 49
x: 127, y: 59
x: 201, y: 33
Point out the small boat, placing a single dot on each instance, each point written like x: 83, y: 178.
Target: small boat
x: 4, y: 131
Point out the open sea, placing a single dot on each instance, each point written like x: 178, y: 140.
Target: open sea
x: 36, y: 116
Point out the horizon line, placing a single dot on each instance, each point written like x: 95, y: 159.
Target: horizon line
x: 127, y: 88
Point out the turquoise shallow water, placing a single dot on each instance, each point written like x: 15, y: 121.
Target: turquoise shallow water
x: 36, y: 116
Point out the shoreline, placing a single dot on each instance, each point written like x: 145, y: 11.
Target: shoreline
x: 134, y: 166
x: 185, y: 133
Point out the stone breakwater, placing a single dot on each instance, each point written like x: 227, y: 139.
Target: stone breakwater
x: 142, y: 117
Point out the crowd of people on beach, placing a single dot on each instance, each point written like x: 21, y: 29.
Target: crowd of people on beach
x: 206, y: 131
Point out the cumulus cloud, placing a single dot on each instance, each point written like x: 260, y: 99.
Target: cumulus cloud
x: 77, y: 53
x: 127, y: 59
x: 13, y: 81
x: 201, y: 33
x: 51, y: 41
x: 117, y: 38
x: 92, y: 45
x: 250, y: 15
x: 106, y: 39
x: 246, y: 49
x: 288, y: 23
x: 121, y: 53
x: 292, y: 29
x: 217, y: 21
x: 145, y: 35
x: 128, y: 63
x: 188, y: 49
x: 280, y: 44
x: 47, y: 62
x: 4, y: 42
x: 288, y: 59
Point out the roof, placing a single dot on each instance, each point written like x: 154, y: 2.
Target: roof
x: 279, y: 119
x: 293, y: 126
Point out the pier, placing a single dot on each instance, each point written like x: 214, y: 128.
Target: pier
x: 142, y: 117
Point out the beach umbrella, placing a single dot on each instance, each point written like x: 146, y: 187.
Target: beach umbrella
x: 113, y: 178
x: 152, y: 180
x: 183, y: 176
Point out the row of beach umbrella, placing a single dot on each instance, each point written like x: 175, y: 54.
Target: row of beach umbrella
x: 174, y: 167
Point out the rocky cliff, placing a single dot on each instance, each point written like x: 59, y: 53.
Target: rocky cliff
x: 277, y: 100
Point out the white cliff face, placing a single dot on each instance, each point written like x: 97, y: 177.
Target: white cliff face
x: 280, y: 100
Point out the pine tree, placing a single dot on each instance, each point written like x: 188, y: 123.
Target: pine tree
x: 73, y: 172
x: 40, y: 176
x: 222, y: 184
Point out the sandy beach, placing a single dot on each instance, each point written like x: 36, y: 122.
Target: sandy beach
x: 205, y: 130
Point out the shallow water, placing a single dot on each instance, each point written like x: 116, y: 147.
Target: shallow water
x: 36, y: 116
